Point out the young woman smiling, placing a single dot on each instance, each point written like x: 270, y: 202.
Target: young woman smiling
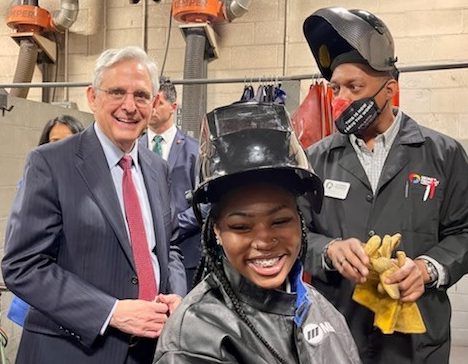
x: 252, y: 305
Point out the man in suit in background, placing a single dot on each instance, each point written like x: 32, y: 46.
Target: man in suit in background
x: 180, y: 151
x: 99, y: 274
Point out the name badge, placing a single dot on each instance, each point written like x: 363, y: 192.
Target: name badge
x: 336, y: 189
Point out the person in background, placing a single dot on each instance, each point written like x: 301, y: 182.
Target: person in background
x: 383, y: 174
x: 54, y: 130
x: 88, y: 245
x: 59, y: 128
x: 253, y: 307
x: 180, y: 151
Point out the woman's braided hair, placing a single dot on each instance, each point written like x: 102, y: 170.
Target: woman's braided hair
x: 211, y: 262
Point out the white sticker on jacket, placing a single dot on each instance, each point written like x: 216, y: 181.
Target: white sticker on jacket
x: 336, y: 189
x: 315, y: 333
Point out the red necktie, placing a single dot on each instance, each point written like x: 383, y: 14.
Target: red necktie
x: 141, y: 254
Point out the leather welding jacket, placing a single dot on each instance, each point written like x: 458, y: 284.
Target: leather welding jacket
x: 436, y: 227
x: 303, y: 327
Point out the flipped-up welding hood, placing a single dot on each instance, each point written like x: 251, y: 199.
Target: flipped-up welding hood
x: 334, y: 31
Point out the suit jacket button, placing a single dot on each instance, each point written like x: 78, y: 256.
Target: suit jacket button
x: 371, y: 233
x: 369, y: 197
x: 134, y: 280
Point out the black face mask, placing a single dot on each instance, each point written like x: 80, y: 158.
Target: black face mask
x: 357, y: 115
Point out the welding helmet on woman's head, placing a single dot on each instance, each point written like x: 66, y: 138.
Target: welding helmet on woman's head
x: 246, y: 141
x: 336, y: 35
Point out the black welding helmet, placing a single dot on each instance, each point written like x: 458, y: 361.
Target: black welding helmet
x: 246, y: 141
x: 337, y: 35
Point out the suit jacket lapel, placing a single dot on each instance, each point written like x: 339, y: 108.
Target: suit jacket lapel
x: 92, y: 165
x: 144, y: 140
x: 151, y: 179
x: 177, y: 146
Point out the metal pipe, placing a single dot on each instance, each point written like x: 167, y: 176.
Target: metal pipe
x: 194, y: 81
x: 65, y: 63
x: 237, y: 8
x: 66, y: 16
x: 144, y: 28
x: 104, y: 26
x: 432, y: 67
x: 45, y: 84
x: 45, y: 70
x: 285, y: 37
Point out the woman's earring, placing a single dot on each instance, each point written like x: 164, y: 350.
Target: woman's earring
x: 218, y: 240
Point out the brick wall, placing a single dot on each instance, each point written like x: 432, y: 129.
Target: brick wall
x: 265, y: 42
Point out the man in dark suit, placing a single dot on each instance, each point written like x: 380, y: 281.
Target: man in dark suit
x: 70, y: 241
x: 180, y: 151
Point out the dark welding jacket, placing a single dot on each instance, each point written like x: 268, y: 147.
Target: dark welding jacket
x: 435, y: 225
x: 303, y: 326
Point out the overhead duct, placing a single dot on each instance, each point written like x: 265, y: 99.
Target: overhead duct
x: 90, y: 17
x: 200, y: 49
x: 66, y: 16
x: 236, y: 8
x: 30, y: 21
x: 195, y: 66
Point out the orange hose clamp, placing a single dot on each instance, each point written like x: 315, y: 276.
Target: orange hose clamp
x: 197, y: 11
x: 29, y: 18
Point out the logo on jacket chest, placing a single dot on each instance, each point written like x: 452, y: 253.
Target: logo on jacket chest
x: 429, y: 183
x: 315, y: 333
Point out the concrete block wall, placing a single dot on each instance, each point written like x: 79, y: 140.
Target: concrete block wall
x: 264, y: 43
x: 459, y: 298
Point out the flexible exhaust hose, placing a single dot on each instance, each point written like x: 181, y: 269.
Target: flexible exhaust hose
x: 27, y: 2
x: 27, y: 59
x: 194, y: 96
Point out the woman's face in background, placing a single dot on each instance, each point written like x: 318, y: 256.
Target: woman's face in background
x: 260, y: 231
x: 59, y: 132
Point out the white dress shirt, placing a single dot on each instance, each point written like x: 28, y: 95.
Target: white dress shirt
x: 166, y: 144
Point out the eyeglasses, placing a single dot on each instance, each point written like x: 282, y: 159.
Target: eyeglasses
x: 141, y: 97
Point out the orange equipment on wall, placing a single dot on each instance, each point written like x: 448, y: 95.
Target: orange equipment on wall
x: 29, y: 18
x: 198, y: 11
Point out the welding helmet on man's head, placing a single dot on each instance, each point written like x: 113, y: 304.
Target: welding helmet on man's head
x: 337, y: 35
x: 247, y: 141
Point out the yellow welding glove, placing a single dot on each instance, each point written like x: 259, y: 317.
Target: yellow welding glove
x: 410, y: 320
x: 367, y: 293
x: 374, y: 294
x: 387, y: 314
x: 381, y: 298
